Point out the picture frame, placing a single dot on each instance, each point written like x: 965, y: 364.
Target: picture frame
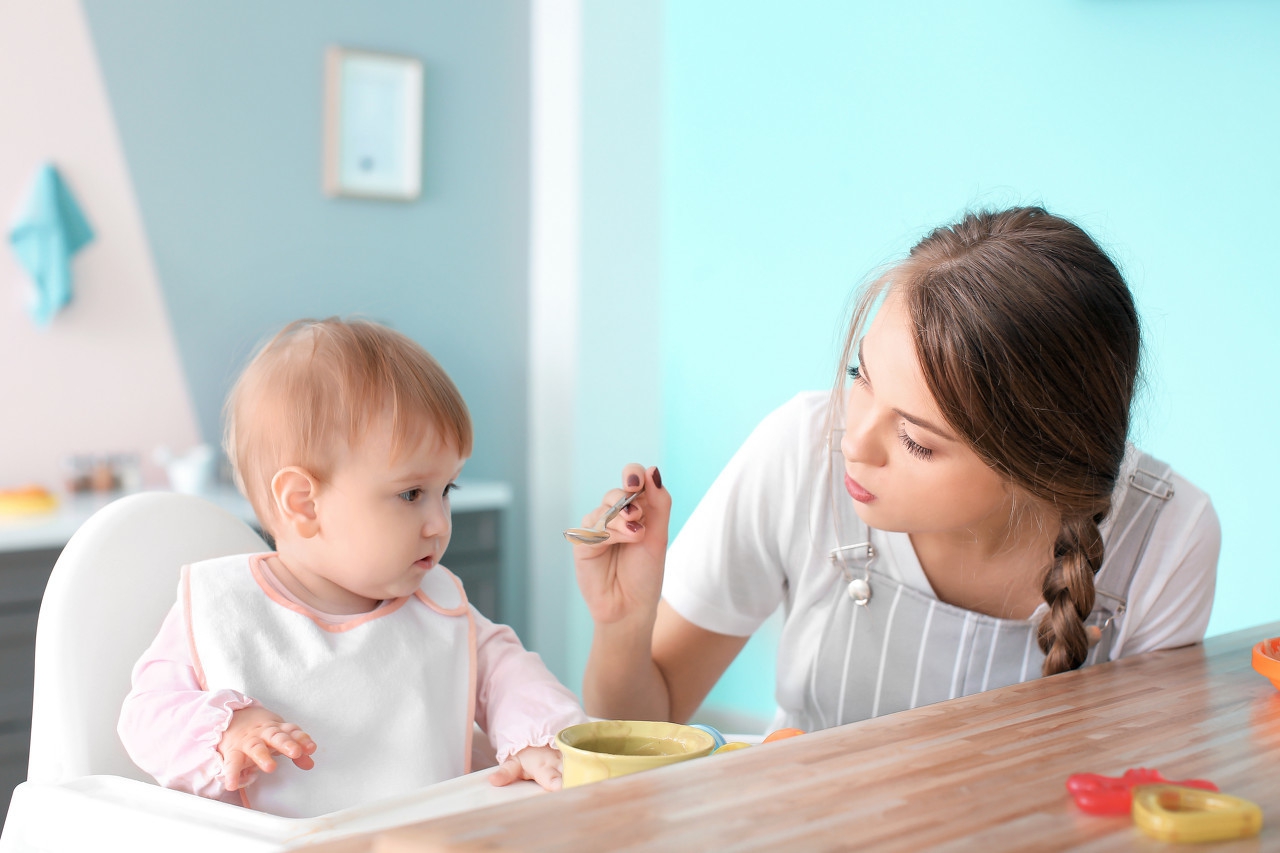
x: 372, y: 125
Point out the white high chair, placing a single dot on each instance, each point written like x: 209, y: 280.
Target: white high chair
x: 106, y: 597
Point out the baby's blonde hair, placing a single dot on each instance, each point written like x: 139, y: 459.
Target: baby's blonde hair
x: 316, y: 386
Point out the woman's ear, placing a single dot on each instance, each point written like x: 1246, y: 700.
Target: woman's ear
x: 294, y: 492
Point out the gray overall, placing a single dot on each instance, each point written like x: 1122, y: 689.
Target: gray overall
x: 887, y: 647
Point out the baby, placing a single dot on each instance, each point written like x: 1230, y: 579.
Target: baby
x: 349, y: 650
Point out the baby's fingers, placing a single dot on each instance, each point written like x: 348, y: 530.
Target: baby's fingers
x: 260, y: 754
x: 547, y: 775
x: 509, y: 771
x: 235, y: 769
x: 293, y: 743
x: 289, y: 740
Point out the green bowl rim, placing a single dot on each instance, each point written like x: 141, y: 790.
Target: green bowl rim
x: 698, y: 733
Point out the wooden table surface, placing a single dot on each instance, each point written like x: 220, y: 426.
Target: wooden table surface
x: 983, y: 772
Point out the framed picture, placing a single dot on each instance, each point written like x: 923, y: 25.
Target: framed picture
x: 372, y: 125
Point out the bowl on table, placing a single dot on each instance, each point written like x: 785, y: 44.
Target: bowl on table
x: 604, y: 749
x: 1266, y: 660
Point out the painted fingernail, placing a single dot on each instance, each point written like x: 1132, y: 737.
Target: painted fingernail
x: 633, y: 527
x: 633, y: 481
x: 657, y: 478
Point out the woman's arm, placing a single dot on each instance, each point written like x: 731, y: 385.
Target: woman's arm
x: 663, y: 673
x: 647, y: 662
x: 658, y: 650
x: 621, y: 583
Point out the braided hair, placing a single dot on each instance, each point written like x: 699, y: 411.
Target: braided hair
x: 1028, y: 339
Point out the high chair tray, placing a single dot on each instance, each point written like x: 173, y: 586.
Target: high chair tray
x: 100, y: 812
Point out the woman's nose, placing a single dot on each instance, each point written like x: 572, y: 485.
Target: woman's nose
x: 860, y: 443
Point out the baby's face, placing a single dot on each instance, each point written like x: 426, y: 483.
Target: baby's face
x: 385, y: 521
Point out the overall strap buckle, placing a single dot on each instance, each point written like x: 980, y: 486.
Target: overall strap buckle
x: 1157, y: 487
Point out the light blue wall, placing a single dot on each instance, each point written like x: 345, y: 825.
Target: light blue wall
x: 806, y: 142
x: 219, y: 107
x: 618, y: 418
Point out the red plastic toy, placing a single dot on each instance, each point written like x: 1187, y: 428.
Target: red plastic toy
x: 1113, y: 795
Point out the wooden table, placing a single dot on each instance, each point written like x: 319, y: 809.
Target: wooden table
x: 983, y: 772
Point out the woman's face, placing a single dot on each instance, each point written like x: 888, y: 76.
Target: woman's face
x: 905, y: 468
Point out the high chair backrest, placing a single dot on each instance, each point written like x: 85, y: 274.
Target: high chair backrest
x: 108, y: 593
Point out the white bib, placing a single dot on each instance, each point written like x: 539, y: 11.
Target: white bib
x: 388, y: 697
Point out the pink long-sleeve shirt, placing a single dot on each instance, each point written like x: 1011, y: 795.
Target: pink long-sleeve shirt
x: 171, y: 728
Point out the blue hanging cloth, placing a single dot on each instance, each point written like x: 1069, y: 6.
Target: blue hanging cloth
x: 49, y: 230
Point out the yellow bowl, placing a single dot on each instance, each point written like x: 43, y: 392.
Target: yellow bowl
x: 608, y: 748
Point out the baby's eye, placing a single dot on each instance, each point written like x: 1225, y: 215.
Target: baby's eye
x: 452, y: 487
x: 411, y: 495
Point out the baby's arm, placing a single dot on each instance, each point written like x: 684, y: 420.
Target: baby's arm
x: 520, y: 705
x: 170, y: 727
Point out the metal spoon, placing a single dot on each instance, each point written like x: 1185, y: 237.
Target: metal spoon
x: 596, y: 535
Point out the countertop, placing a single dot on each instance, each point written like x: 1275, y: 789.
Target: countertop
x: 52, y: 530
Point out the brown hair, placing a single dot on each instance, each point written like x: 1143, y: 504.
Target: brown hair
x: 1028, y: 340
x: 321, y: 382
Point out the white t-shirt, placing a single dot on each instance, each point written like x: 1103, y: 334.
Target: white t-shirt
x: 761, y: 537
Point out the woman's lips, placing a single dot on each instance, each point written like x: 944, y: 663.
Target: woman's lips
x: 856, y: 492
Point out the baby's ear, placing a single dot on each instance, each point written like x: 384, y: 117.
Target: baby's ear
x: 293, y: 491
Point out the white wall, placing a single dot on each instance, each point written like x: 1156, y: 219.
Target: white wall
x: 104, y: 376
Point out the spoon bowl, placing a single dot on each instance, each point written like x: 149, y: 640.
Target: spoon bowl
x: 599, y: 533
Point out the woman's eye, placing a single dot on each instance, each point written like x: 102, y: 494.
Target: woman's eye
x: 919, y: 451
x: 855, y: 373
x: 411, y: 495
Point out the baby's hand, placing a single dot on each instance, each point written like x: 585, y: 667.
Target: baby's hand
x: 256, y: 734
x: 539, y: 763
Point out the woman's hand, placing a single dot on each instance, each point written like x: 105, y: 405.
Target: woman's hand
x: 621, y: 578
x: 539, y: 763
x: 254, y: 736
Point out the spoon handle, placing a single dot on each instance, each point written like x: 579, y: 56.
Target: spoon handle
x: 618, y: 507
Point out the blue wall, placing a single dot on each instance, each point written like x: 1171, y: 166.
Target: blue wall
x: 745, y: 165
x: 804, y: 143
x: 619, y: 402
x: 219, y: 107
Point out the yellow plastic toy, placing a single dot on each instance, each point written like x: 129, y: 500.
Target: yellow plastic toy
x: 1189, y: 815
x: 731, y: 746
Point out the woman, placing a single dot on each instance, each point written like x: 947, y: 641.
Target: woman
x: 963, y: 514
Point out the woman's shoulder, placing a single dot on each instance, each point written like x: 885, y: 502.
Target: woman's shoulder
x: 782, y: 445
x: 1162, y: 519
x: 1170, y: 597
x: 791, y: 440
x: 1142, y: 474
x: 803, y: 421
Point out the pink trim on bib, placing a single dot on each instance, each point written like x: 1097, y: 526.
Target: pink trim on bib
x: 463, y: 607
x: 191, y: 637
x: 255, y: 569
x: 471, y: 694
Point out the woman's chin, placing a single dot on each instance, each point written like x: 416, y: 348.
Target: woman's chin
x: 874, y: 515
